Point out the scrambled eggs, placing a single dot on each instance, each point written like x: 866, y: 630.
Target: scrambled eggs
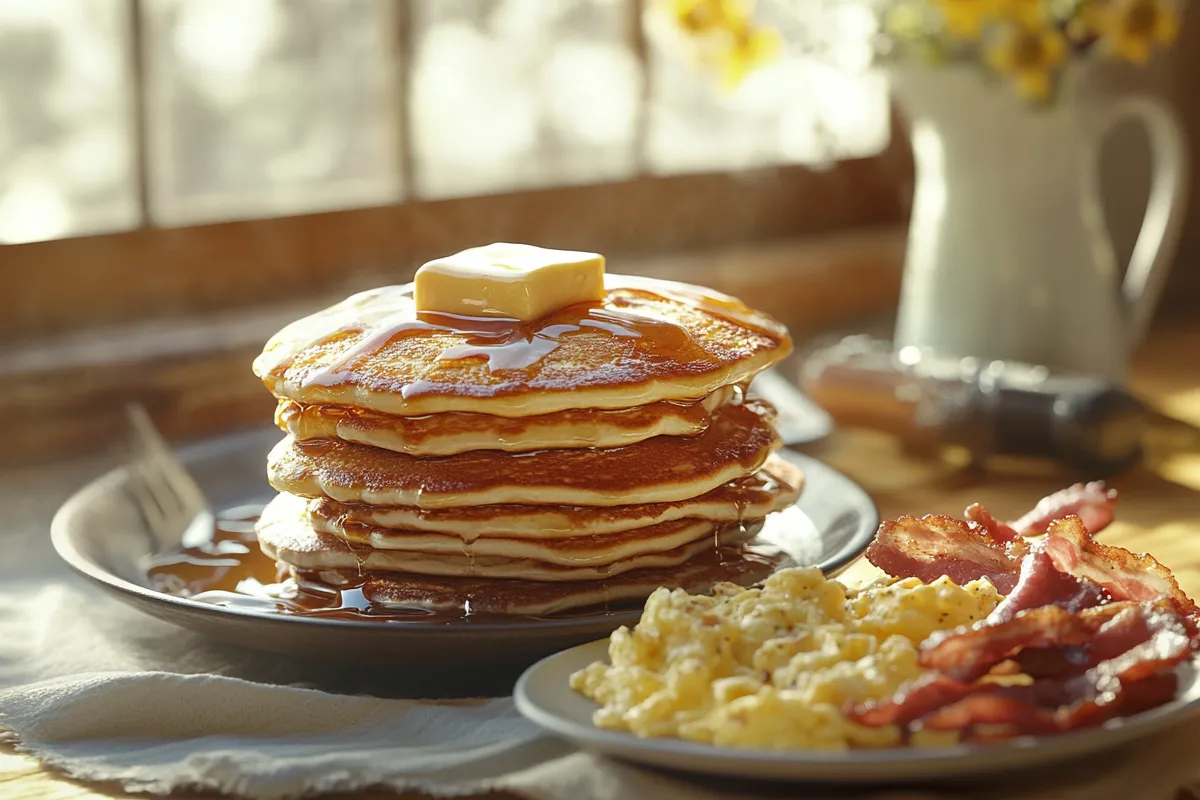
x: 774, y: 667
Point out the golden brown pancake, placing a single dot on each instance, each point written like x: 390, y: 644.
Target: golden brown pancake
x: 576, y: 551
x: 461, y: 431
x: 660, y: 470
x: 283, y: 536
x: 588, y: 551
x: 777, y: 485
x: 648, y: 341
x: 285, y: 528
x: 484, y: 596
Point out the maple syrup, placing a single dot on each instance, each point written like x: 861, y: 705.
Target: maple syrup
x: 515, y: 346
x: 413, y: 431
x: 229, y: 569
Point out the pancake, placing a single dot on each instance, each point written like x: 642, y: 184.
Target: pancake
x: 660, y: 470
x: 286, y: 525
x: 648, y: 341
x: 589, y: 551
x: 777, y: 485
x: 459, y: 431
x: 283, y: 537
x: 483, y: 597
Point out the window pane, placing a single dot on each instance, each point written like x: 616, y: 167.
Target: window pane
x: 816, y: 102
x: 520, y: 93
x: 269, y: 107
x: 66, y: 132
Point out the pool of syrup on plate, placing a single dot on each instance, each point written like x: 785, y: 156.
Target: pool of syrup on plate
x: 229, y: 569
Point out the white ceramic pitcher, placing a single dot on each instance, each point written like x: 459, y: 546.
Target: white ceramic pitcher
x: 1008, y: 254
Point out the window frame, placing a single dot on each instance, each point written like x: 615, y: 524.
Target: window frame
x: 154, y: 271
x: 66, y: 284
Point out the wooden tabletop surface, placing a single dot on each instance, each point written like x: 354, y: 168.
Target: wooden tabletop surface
x: 1159, y: 509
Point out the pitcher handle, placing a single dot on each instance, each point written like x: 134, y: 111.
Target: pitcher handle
x: 1163, y: 223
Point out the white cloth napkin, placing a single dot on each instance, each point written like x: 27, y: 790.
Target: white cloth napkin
x: 105, y: 693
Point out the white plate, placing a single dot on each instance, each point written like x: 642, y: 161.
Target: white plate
x: 544, y: 696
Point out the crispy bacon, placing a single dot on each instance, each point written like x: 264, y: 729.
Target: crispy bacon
x: 992, y: 705
x: 1133, y: 646
x: 1118, y: 635
x: 996, y: 530
x: 1031, y: 713
x: 1040, y: 583
x: 1083, y: 639
x: 933, y: 546
x: 911, y: 702
x: 939, y: 703
x: 982, y: 547
x: 966, y: 654
x: 1067, y: 568
x: 1097, y: 630
x: 1124, y: 575
x: 1091, y: 502
x: 1123, y: 661
x: 1052, y: 662
x: 1132, y: 697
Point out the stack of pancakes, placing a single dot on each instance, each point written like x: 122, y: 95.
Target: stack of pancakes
x: 494, y: 466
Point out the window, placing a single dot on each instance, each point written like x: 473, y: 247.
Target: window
x: 120, y: 114
x: 268, y: 107
x: 67, y: 138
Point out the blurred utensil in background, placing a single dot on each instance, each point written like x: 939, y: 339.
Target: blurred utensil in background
x: 987, y: 407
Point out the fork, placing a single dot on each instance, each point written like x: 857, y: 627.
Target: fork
x: 172, y: 505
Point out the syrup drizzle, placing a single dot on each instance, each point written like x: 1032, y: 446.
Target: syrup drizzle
x: 525, y: 431
x: 401, y: 320
x: 509, y: 344
x: 512, y: 353
x: 230, y: 570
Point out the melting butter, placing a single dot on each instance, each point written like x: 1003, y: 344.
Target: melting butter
x: 514, y: 281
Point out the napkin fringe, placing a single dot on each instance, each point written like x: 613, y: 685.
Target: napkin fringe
x: 336, y: 781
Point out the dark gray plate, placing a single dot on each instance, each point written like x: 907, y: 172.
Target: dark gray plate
x: 100, y: 533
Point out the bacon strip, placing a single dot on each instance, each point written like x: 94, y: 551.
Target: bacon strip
x: 1134, y: 646
x: 1021, y: 714
x: 1084, y: 638
x: 996, y: 530
x: 1040, y: 583
x: 1124, y: 659
x: 992, y: 705
x: 982, y: 547
x: 1124, y: 575
x: 1092, y: 502
x: 1051, y: 662
x: 912, y: 702
x: 966, y: 654
x: 933, y: 546
x: 1131, y: 697
x: 1099, y: 629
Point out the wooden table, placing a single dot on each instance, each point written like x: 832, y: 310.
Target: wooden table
x: 1159, y: 509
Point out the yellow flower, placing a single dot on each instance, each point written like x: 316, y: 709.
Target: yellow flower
x: 1031, y: 56
x: 965, y: 18
x: 747, y: 49
x: 1032, y: 13
x: 708, y: 16
x: 725, y: 35
x: 1083, y: 24
x: 1129, y: 29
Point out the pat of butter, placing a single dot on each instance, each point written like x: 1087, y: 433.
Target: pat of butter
x: 517, y: 281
